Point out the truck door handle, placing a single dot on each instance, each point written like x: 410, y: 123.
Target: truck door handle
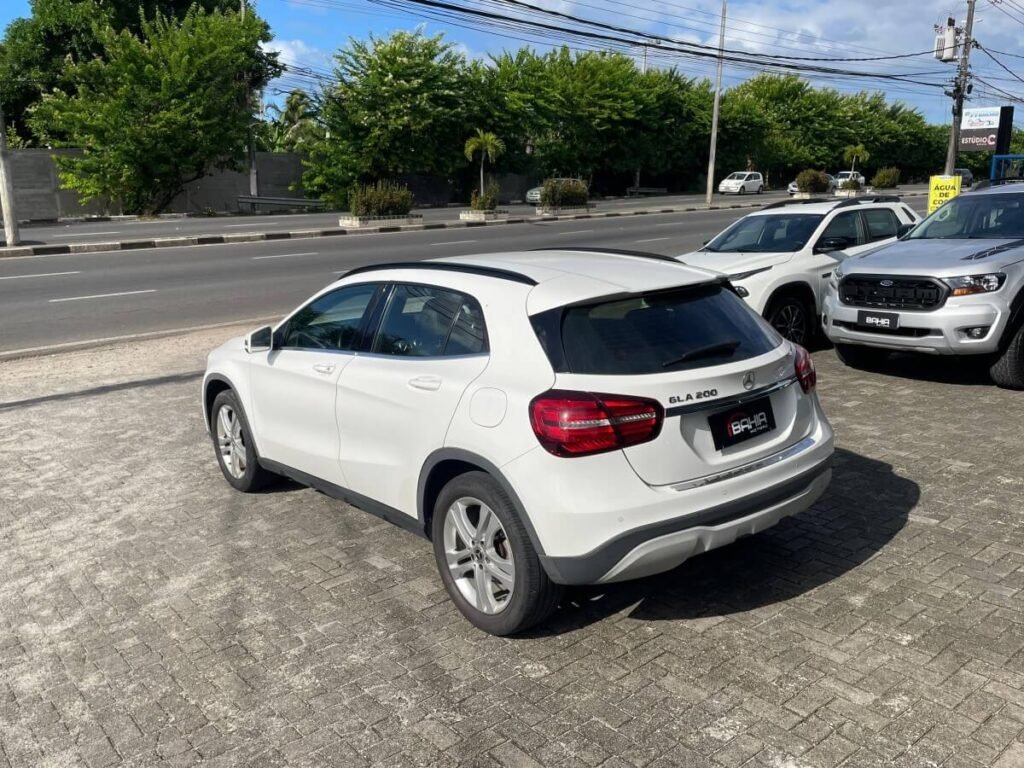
x: 323, y: 368
x: 428, y: 383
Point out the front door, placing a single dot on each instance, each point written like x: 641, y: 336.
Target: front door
x: 294, y: 387
x: 395, y: 403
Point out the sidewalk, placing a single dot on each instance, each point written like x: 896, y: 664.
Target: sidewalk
x: 301, y: 234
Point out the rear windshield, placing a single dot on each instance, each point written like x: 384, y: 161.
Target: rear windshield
x: 672, y: 330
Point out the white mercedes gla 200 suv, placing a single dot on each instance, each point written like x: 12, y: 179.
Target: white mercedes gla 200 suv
x: 544, y: 418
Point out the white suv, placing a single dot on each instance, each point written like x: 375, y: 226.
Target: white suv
x: 545, y: 418
x: 780, y: 258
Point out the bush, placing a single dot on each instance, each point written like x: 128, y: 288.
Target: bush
x: 850, y: 184
x: 564, y: 193
x: 886, y: 178
x: 384, y: 198
x: 488, y: 201
x: 812, y: 181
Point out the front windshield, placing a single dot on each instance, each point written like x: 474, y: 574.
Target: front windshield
x: 970, y: 216
x: 779, y: 233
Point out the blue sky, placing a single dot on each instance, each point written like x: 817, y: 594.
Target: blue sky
x: 308, y: 31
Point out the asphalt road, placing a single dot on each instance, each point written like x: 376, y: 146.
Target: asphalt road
x: 105, y: 231
x: 52, y: 300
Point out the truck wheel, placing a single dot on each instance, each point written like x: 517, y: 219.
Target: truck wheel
x: 856, y: 356
x: 1008, y: 369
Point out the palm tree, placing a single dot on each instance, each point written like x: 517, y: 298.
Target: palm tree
x: 853, y: 153
x: 295, y: 125
x: 488, y: 145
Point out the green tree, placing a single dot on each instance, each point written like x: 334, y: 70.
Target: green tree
x: 154, y: 113
x: 488, y: 145
x: 854, y: 152
x: 293, y: 128
x: 35, y: 50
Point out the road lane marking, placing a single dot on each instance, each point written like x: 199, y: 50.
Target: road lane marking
x: 90, y: 234
x: 454, y: 242
x: 575, y: 232
x: 101, y: 296
x: 286, y: 255
x: 43, y: 274
x: 651, y: 239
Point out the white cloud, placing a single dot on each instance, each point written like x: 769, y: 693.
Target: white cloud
x: 297, y: 53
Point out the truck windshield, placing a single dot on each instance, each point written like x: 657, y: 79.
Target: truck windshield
x: 780, y: 233
x: 970, y: 216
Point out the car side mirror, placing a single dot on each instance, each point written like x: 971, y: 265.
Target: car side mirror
x: 904, y: 229
x: 829, y: 244
x: 260, y: 340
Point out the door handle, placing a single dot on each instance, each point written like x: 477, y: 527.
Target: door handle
x: 323, y: 368
x: 428, y: 383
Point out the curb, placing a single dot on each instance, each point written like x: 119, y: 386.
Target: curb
x: 302, y: 234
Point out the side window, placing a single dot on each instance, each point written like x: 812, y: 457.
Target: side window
x: 881, y: 223
x: 424, y: 321
x: 845, y: 226
x: 332, y: 321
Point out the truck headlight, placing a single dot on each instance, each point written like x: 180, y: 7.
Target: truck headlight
x: 835, y: 277
x: 972, y: 284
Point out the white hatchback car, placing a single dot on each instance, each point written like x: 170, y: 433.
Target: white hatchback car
x: 781, y: 257
x: 545, y: 418
x: 742, y: 183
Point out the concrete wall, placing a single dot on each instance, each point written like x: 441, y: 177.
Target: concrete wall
x: 38, y: 196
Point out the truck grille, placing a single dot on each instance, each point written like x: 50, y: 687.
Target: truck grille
x: 892, y: 292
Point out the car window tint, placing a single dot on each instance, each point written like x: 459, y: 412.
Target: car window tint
x: 653, y: 333
x: 770, y: 233
x: 844, y: 225
x: 881, y: 223
x: 425, y: 321
x: 332, y: 321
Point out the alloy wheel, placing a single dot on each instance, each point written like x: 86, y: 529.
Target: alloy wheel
x: 790, y: 320
x: 231, y: 441
x: 479, y: 555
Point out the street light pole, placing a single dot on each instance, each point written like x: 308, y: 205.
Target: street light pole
x: 254, y: 180
x: 11, y: 234
x: 714, y: 111
x: 960, y: 90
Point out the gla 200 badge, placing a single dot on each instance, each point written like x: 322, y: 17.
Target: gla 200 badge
x: 689, y: 397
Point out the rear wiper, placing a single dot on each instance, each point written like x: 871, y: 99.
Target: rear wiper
x: 709, y: 351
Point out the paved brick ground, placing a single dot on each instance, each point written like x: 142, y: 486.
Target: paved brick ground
x: 148, y: 614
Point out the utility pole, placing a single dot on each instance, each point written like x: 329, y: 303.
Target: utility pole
x: 11, y: 236
x: 714, y: 112
x: 636, y: 179
x: 254, y: 179
x: 960, y: 90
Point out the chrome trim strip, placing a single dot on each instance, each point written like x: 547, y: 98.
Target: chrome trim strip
x: 806, y: 444
x: 724, y: 402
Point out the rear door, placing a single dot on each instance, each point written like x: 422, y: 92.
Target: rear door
x: 396, y: 401
x: 696, y: 351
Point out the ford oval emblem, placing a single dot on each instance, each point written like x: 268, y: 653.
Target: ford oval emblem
x: 886, y: 283
x: 748, y: 380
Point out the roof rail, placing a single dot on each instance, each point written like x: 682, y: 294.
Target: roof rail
x: 448, y: 266
x: 616, y: 252
x: 873, y: 199
x: 801, y: 201
x: 986, y: 183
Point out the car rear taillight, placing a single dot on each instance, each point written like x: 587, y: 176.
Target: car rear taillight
x: 805, y: 372
x: 583, y: 423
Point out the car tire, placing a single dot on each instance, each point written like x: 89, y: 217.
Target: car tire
x: 478, y: 573
x: 743, y: 190
x: 792, y: 318
x: 1008, y: 369
x: 857, y: 356
x: 236, y: 451
x: 760, y: 189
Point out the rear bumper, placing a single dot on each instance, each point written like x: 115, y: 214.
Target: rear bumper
x: 662, y: 546
x: 941, y: 331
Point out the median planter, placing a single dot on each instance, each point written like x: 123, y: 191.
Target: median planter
x: 543, y: 210
x: 354, y: 222
x: 471, y: 215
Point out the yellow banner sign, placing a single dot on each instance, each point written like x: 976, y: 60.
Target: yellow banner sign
x: 942, y: 189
